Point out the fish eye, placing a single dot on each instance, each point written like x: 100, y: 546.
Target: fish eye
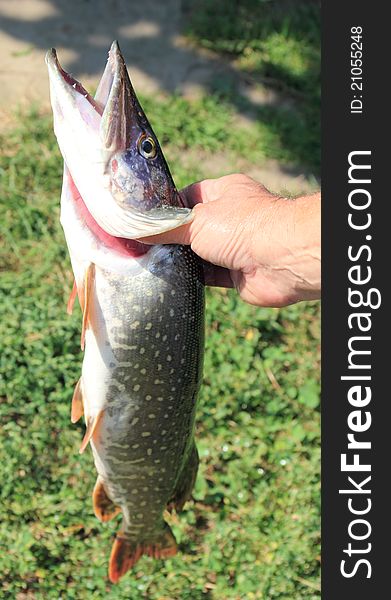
x: 147, y: 147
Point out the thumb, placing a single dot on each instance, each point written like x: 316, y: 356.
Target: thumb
x: 180, y: 235
x: 191, y: 196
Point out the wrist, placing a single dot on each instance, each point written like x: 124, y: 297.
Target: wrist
x: 286, y: 246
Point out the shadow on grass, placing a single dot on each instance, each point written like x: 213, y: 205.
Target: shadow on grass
x: 276, y: 43
x: 259, y: 34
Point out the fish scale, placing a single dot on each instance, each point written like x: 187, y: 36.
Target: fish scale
x: 143, y: 310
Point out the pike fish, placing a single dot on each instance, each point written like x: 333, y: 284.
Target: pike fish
x: 143, y: 310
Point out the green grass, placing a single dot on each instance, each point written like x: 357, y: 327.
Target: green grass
x: 252, y: 530
x: 209, y: 125
x: 276, y: 43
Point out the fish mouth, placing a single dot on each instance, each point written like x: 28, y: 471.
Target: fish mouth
x: 115, y: 100
x: 68, y: 80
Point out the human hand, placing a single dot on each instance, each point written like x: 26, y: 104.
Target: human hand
x: 265, y: 246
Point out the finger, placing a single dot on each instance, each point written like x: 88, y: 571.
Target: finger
x: 217, y: 276
x: 197, y: 193
x: 192, y: 194
x: 180, y: 235
x: 203, y: 191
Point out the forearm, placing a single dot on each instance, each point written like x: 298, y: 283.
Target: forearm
x: 286, y: 245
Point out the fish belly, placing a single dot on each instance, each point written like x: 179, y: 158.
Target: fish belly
x: 141, y: 373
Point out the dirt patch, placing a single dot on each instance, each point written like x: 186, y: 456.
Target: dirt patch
x: 158, y: 57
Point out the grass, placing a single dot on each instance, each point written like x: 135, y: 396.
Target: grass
x: 276, y: 43
x: 252, y: 529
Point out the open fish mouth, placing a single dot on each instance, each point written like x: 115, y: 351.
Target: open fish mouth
x: 97, y: 135
x: 67, y: 81
x: 115, y: 100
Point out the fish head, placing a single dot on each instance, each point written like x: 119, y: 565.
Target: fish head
x: 112, y: 153
x: 139, y: 174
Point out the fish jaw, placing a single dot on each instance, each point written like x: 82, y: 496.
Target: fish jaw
x: 127, y: 194
x: 76, y: 125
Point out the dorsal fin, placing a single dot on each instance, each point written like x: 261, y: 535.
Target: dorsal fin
x: 87, y: 298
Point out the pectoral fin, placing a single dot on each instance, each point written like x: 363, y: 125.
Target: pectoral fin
x: 87, y: 301
x: 72, y: 298
x: 92, y: 429
x: 77, y: 403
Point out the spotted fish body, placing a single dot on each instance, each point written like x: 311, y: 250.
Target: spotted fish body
x: 143, y: 370
x: 143, y: 333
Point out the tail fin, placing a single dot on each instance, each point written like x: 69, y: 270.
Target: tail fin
x: 125, y: 553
